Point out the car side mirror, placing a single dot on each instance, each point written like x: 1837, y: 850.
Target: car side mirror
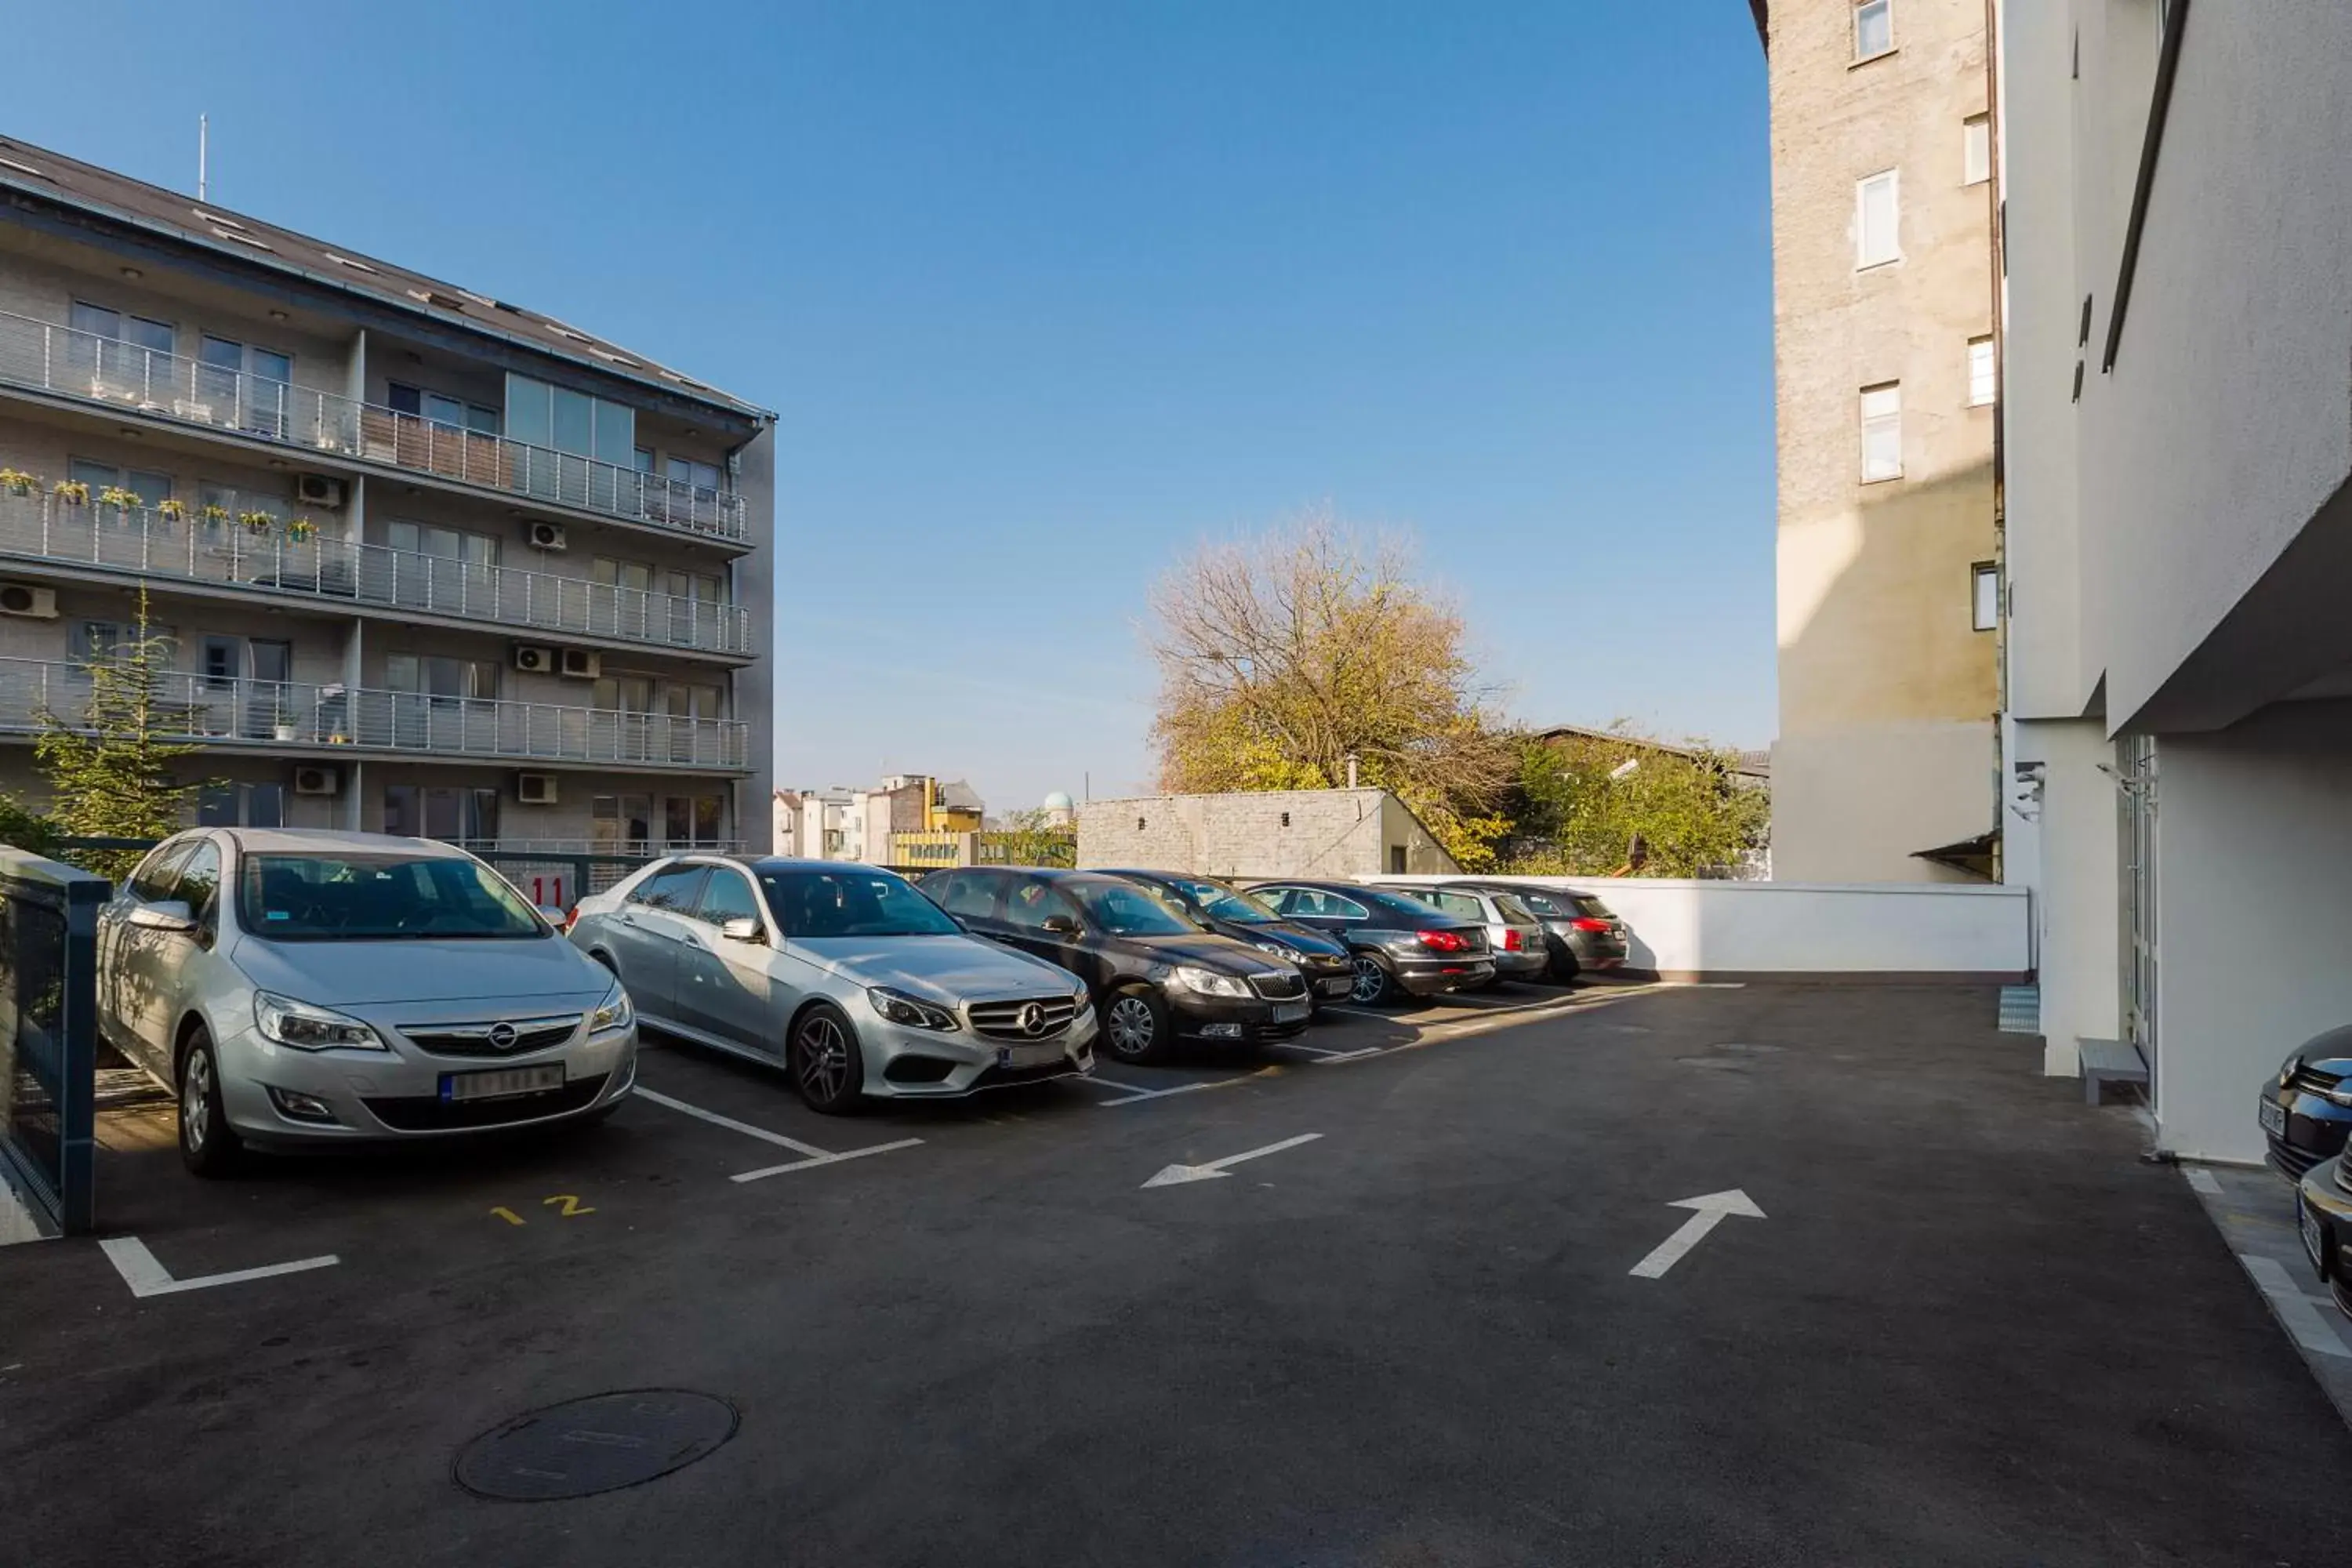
x: 554, y: 916
x: 1060, y: 925
x: 165, y: 914
x: 744, y: 929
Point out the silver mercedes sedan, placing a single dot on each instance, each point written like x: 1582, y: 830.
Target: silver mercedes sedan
x: 843, y: 974
x: 297, y: 987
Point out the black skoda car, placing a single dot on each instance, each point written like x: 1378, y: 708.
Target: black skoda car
x: 1227, y: 911
x: 2303, y: 1120
x: 1157, y: 975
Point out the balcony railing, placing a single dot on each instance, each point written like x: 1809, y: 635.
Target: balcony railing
x: 266, y: 714
x: 126, y: 377
x: 200, y: 550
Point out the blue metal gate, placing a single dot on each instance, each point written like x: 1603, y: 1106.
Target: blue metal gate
x: 48, y: 1023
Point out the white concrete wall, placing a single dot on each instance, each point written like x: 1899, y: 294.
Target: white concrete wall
x: 1258, y: 833
x: 1854, y: 805
x: 2254, y: 858
x: 1700, y: 929
x: 2066, y: 853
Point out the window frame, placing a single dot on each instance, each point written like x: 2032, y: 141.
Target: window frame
x: 1980, y: 573
x: 1989, y: 384
x: 1886, y: 9
x: 1865, y: 418
x: 743, y: 880
x: 1865, y: 258
x: 1976, y: 149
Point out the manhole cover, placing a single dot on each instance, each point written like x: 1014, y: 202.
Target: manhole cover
x: 595, y: 1445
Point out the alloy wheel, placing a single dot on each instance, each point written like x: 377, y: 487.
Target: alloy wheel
x: 1133, y: 1027
x: 196, y: 1099
x: 1372, y: 981
x: 825, y: 1059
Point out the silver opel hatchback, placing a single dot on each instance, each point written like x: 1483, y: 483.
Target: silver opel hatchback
x: 304, y: 987
x: 843, y: 974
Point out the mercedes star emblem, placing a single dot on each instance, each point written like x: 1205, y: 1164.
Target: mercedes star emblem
x: 1032, y: 1018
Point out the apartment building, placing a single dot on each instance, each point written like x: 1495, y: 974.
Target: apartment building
x: 1885, y: 381
x: 2179, y: 478
x: 428, y: 561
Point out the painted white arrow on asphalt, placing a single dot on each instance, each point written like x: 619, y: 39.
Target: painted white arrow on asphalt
x: 1712, y: 1208
x: 1173, y: 1174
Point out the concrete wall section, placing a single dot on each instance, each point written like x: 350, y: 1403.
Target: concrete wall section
x: 1275, y: 833
x: 2066, y: 851
x: 1694, y: 930
x: 1851, y: 806
x: 2254, y: 856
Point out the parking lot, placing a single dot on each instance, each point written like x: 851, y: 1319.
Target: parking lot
x: 1633, y: 1274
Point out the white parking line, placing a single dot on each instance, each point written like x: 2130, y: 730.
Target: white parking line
x: 2202, y: 1180
x: 1134, y: 1095
x: 728, y: 1122
x: 147, y: 1276
x: 768, y: 1171
x: 2294, y: 1308
x: 1310, y: 1050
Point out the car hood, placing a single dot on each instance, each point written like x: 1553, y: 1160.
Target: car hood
x: 1297, y: 938
x: 944, y: 969
x: 1210, y: 952
x: 356, y: 973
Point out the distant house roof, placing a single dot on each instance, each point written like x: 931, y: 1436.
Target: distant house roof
x: 956, y: 795
x: 1749, y: 764
x: 28, y: 170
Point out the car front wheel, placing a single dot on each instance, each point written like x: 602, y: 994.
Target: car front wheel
x: 208, y: 1145
x: 827, y: 1066
x: 1135, y: 1026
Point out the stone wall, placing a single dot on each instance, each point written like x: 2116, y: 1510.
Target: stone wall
x: 1275, y: 833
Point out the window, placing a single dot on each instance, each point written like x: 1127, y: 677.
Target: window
x: 622, y: 693
x: 1317, y: 905
x: 969, y: 894
x: 200, y: 879
x: 136, y: 333
x: 1881, y: 433
x: 455, y: 813
x: 702, y: 477
x: 360, y: 897
x: 818, y: 904
x: 620, y: 823
x: 727, y: 897
x: 692, y: 820
x: 678, y: 889
x: 156, y: 874
x: 703, y: 586
x: 438, y: 675
x: 455, y: 413
x: 1466, y: 905
x: 570, y: 421
x: 1029, y: 905
x: 241, y: 805
x: 91, y: 640
x: 1396, y: 859
x: 635, y: 576
x: 1876, y: 202
x: 443, y: 544
x: 1985, y: 595
x: 1873, y: 28
x: 1976, y: 150
x: 246, y: 386
x: 149, y: 488
x: 1984, y: 371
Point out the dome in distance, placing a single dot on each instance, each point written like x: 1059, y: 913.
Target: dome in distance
x: 1060, y: 801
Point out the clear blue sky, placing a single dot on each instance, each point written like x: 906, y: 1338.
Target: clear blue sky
x: 1044, y: 293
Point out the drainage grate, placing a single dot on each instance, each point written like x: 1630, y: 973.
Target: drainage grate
x: 600, y: 1444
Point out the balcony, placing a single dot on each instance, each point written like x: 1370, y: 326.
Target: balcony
x: 194, y: 548
x: 273, y: 716
x: 126, y: 378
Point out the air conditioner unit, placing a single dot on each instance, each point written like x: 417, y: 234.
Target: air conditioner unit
x: 317, y: 781
x: 535, y: 661
x: 319, y: 490
x: 546, y: 536
x: 24, y: 599
x: 581, y: 665
x: 535, y: 789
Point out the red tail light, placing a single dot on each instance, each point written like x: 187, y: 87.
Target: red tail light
x: 1510, y: 941
x: 1589, y: 923
x: 1443, y: 941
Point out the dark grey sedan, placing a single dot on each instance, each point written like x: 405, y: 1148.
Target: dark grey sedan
x: 1401, y: 946
x: 1579, y: 930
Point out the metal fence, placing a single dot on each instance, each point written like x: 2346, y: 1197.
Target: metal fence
x: 551, y: 878
x: 49, y: 1042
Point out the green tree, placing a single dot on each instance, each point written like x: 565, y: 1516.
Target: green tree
x: 1033, y: 837
x: 1583, y: 800
x: 110, y: 768
x: 1284, y: 657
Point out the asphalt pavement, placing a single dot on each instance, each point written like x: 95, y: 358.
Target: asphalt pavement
x: 1430, y: 1303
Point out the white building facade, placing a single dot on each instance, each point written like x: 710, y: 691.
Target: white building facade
x: 2177, y: 465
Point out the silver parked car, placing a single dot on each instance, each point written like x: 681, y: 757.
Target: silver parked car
x: 307, y: 987
x: 1515, y: 938
x: 844, y: 975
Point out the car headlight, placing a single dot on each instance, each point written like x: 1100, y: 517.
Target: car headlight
x: 612, y: 1013
x: 309, y: 1029
x: 1278, y: 950
x: 1208, y: 982
x: 1082, y: 1000
x: 900, y: 1008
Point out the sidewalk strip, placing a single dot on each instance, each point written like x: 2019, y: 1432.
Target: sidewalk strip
x: 745, y: 1128
x: 768, y: 1171
x: 2294, y: 1308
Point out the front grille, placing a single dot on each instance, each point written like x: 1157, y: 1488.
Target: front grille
x: 429, y: 1113
x: 2339, y: 1173
x: 2292, y: 1162
x: 1001, y: 1020
x: 474, y: 1039
x: 1279, y: 986
x: 2312, y: 1080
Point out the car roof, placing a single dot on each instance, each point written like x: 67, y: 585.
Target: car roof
x: 322, y: 840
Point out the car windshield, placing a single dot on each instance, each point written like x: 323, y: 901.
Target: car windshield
x: 378, y: 898
x: 1550, y: 906
x: 1594, y: 908
x: 1128, y: 908
x: 813, y: 904
x: 1512, y: 912
x: 1222, y: 903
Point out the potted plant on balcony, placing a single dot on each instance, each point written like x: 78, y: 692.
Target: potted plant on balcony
x: 171, y: 509
x: 281, y: 726
x: 301, y: 528
x: 72, y: 492
x: 120, y: 499
x: 256, y: 522
x: 18, y: 482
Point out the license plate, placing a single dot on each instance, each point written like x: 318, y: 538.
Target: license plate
x: 2274, y: 1116
x: 2315, y: 1238
x: 1290, y: 1012
x: 1028, y: 1056
x: 1338, y: 987
x: 503, y: 1084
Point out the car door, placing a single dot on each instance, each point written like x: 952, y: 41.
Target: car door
x: 132, y: 957
x: 648, y: 928
x: 725, y: 985
x: 972, y: 897
x: 1029, y: 903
